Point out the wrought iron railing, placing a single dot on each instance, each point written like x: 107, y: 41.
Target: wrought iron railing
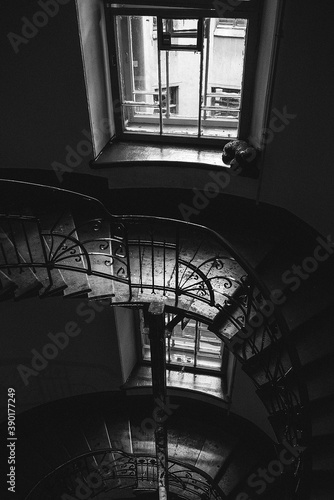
x: 188, y: 267
x: 105, y: 470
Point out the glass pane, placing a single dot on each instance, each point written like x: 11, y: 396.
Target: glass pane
x: 138, y: 60
x: 145, y: 341
x: 184, y: 25
x: 182, y: 346
x: 180, y: 92
x: 180, y: 32
x: 209, y: 350
x: 224, y: 52
x: 191, y: 346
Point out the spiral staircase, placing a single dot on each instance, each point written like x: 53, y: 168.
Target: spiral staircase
x: 57, y: 242
x: 205, y: 461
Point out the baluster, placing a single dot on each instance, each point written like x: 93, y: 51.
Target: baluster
x: 27, y: 243
x: 152, y: 261
x: 164, y: 268
x: 177, y: 252
x: 140, y: 267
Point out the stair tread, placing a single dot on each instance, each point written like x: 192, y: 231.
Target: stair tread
x: 306, y: 296
x: 312, y: 340
x: 25, y: 279
x: 322, y: 414
x: 62, y: 239
x: 319, y: 377
x: 7, y: 286
x: 260, y: 340
x: 95, y: 237
x: 271, y: 363
x: 323, y: 453
x: 30, y: 244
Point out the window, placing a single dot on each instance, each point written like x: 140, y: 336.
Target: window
x: 189, y: 344
x: 170, y: 65
x: 231, y: 27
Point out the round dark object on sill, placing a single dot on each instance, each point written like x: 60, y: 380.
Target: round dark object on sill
x: 240, y: 156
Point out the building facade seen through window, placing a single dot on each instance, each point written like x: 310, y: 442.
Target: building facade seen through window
x: 181, y: 77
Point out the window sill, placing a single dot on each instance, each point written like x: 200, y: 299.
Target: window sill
x: 210, y: 385
x: 129, y: 154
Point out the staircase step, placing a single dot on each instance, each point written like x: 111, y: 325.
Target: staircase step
x: 313, y: 339
x: 214, y: 452
x: 7, y: 287
x: 95, y: 236
x: 25, y: 235
x: 269, y: 364
x: 142, y: 431
x: 253, y: 249
x: 95, y: 433
x: 46, y: 441
x: 61, y: 237
x: 58, y: 284
x: 318, y: 493
x: 265, y: 391
x: 319, y: 377
x: 322, y: 415
x: 323, y: 484
x: 305, y: 296
x: 74, y: 440
x: 24, y: 278
x: 33, y: 471
x: 323, y: 453
x: 274, y: 264
x: 244, y: 463
x: 259, y: 340
x: 277, y: 489
x: 185, y: 441
x: 311, y: 299
x: 279, y: 422
x: 119, y: 430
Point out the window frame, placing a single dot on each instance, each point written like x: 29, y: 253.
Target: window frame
x: 248, y: 9
x: 170, y: 365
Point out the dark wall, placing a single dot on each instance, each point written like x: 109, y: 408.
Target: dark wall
x: 298, y: 163
x: 44, y: 110
x: 43, y: 100
x: 43, y: 364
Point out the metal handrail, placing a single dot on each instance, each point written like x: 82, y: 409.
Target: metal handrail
x: 236, y: 310
x: 113, y: 468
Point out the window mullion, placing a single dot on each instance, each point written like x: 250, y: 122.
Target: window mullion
x: 200, y: 87
x: 160, y: 90
x: 167, y: 85
x: 206, y: 32
x: 196, y: 343
x: 132, y: 83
